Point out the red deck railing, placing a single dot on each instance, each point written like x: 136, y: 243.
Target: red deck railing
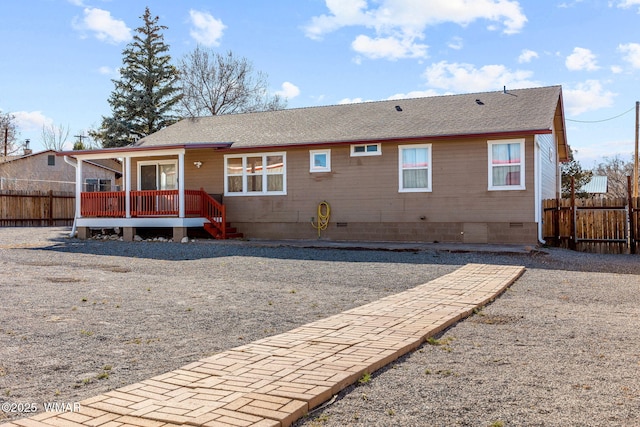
x: 111, y: 204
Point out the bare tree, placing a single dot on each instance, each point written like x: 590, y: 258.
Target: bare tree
x: 214, y: 84
x: 616, y: 170
x: 54, y: 137
x: 8, y: 135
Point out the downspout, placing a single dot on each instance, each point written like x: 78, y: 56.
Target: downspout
x: 538, y: 190
x: 75, y: 216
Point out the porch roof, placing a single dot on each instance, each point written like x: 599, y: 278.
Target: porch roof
x: 131, y: 149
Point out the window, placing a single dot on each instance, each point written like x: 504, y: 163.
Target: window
x: 158, y: 175
x: 506, y: 165
x: 97, y: 184
x: 319, y: 161
x: 51, y: 160
x: 255, y: 174
x: 366, y: 150
x: 414, y: 165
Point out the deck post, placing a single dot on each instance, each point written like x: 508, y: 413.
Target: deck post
x: 128, y: 233
x: 181, y: 201
x: 79, y: 189
x: 127, y: 187
x: 179, y: 233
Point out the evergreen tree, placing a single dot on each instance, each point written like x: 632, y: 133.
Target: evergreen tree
x: 581, y: 177
x: 144, y: 97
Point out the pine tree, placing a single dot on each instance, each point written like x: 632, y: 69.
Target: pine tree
x: 144, y: 97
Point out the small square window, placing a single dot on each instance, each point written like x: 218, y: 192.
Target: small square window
x: 51, y: 160
x: 319, y: 161
x: 366, y: 150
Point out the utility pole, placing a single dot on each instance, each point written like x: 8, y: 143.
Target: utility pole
x: 635, y: 158
x: 80, y: 138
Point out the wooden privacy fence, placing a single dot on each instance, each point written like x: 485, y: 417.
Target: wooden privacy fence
x: 589, y: 225
x: 36, y: 208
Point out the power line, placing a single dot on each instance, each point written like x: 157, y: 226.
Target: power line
x: 603, y: 120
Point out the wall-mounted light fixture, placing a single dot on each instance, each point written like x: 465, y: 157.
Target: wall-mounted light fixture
x: 197, y: 164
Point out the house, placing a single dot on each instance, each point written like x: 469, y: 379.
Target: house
x: 44, y: 171
x: 456, y: 168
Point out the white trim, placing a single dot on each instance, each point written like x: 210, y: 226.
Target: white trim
x: 490, y: 166
x: 141, y: 222
x: 107, y: 154
x: 366, y: 152
x: 264, y: 191
x: 127, y: 186
x: 429, y: 168
x: 316, y: 169
x: 180, y: 178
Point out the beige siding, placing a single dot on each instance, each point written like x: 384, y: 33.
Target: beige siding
x: 365, y: 201
x: 364, y: 191
x: 33, y: 173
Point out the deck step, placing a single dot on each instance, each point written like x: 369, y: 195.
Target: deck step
x: 230, y: 232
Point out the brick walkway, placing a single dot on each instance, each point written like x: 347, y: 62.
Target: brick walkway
x: 276, y: 380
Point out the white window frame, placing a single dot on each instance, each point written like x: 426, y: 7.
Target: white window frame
x: 377, y: 152
x: 157, y: 163
x: 265, y: 191
x: 490, y: 145
x: 312, y: 163
x: 429, y: 168
x: 98, y: 184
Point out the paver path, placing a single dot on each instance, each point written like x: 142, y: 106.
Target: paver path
x: 276, y: 380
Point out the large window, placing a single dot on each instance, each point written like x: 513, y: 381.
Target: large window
x: 414, y: 165
x: 255, y: 174
x: 506, y: 165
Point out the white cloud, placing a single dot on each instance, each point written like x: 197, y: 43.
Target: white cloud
x: 206, y: 30
x: 30, y: 121
x: 414, y: 94
x: 460, y: 78
x: 626, y: 4
x: 631, y: 53
x: 388, y: 47
x: 587, y: 96
x: 103, y: 25
x: 527, y: 55
x: 456, y: 43
x: 581, y: 59
x: 616, y: 69
x: 353, y: 101
x: 402, y: 22
x: 289, y: 90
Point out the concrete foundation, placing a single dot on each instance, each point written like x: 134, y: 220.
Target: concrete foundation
x: 128, y: 233
x: 179, y: 233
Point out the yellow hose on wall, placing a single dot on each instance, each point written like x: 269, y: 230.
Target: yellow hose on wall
x: 324, y: 212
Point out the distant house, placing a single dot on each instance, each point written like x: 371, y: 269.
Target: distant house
x: 458, y: 168
x: 44, y: 171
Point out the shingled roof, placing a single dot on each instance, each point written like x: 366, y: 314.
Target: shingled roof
x: 513, y: 111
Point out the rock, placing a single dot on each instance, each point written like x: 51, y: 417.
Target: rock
x: 185, y: 239
x: 137, y: 238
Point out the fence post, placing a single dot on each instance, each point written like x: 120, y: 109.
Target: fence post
x: 631, y: 218
x: 572, y: 239
x: 50, y: 208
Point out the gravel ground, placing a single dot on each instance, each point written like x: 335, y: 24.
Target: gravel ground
x: 559, y: 348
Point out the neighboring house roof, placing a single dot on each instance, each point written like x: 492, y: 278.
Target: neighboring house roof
x: 536, y: 110
x: 115, y: 166
x: 597, y: 185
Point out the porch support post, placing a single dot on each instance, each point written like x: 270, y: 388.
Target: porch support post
x: 181, y: 203
x: 79, y: 189
x: 127, y: 187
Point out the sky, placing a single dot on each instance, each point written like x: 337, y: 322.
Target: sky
x: 59, y: 56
